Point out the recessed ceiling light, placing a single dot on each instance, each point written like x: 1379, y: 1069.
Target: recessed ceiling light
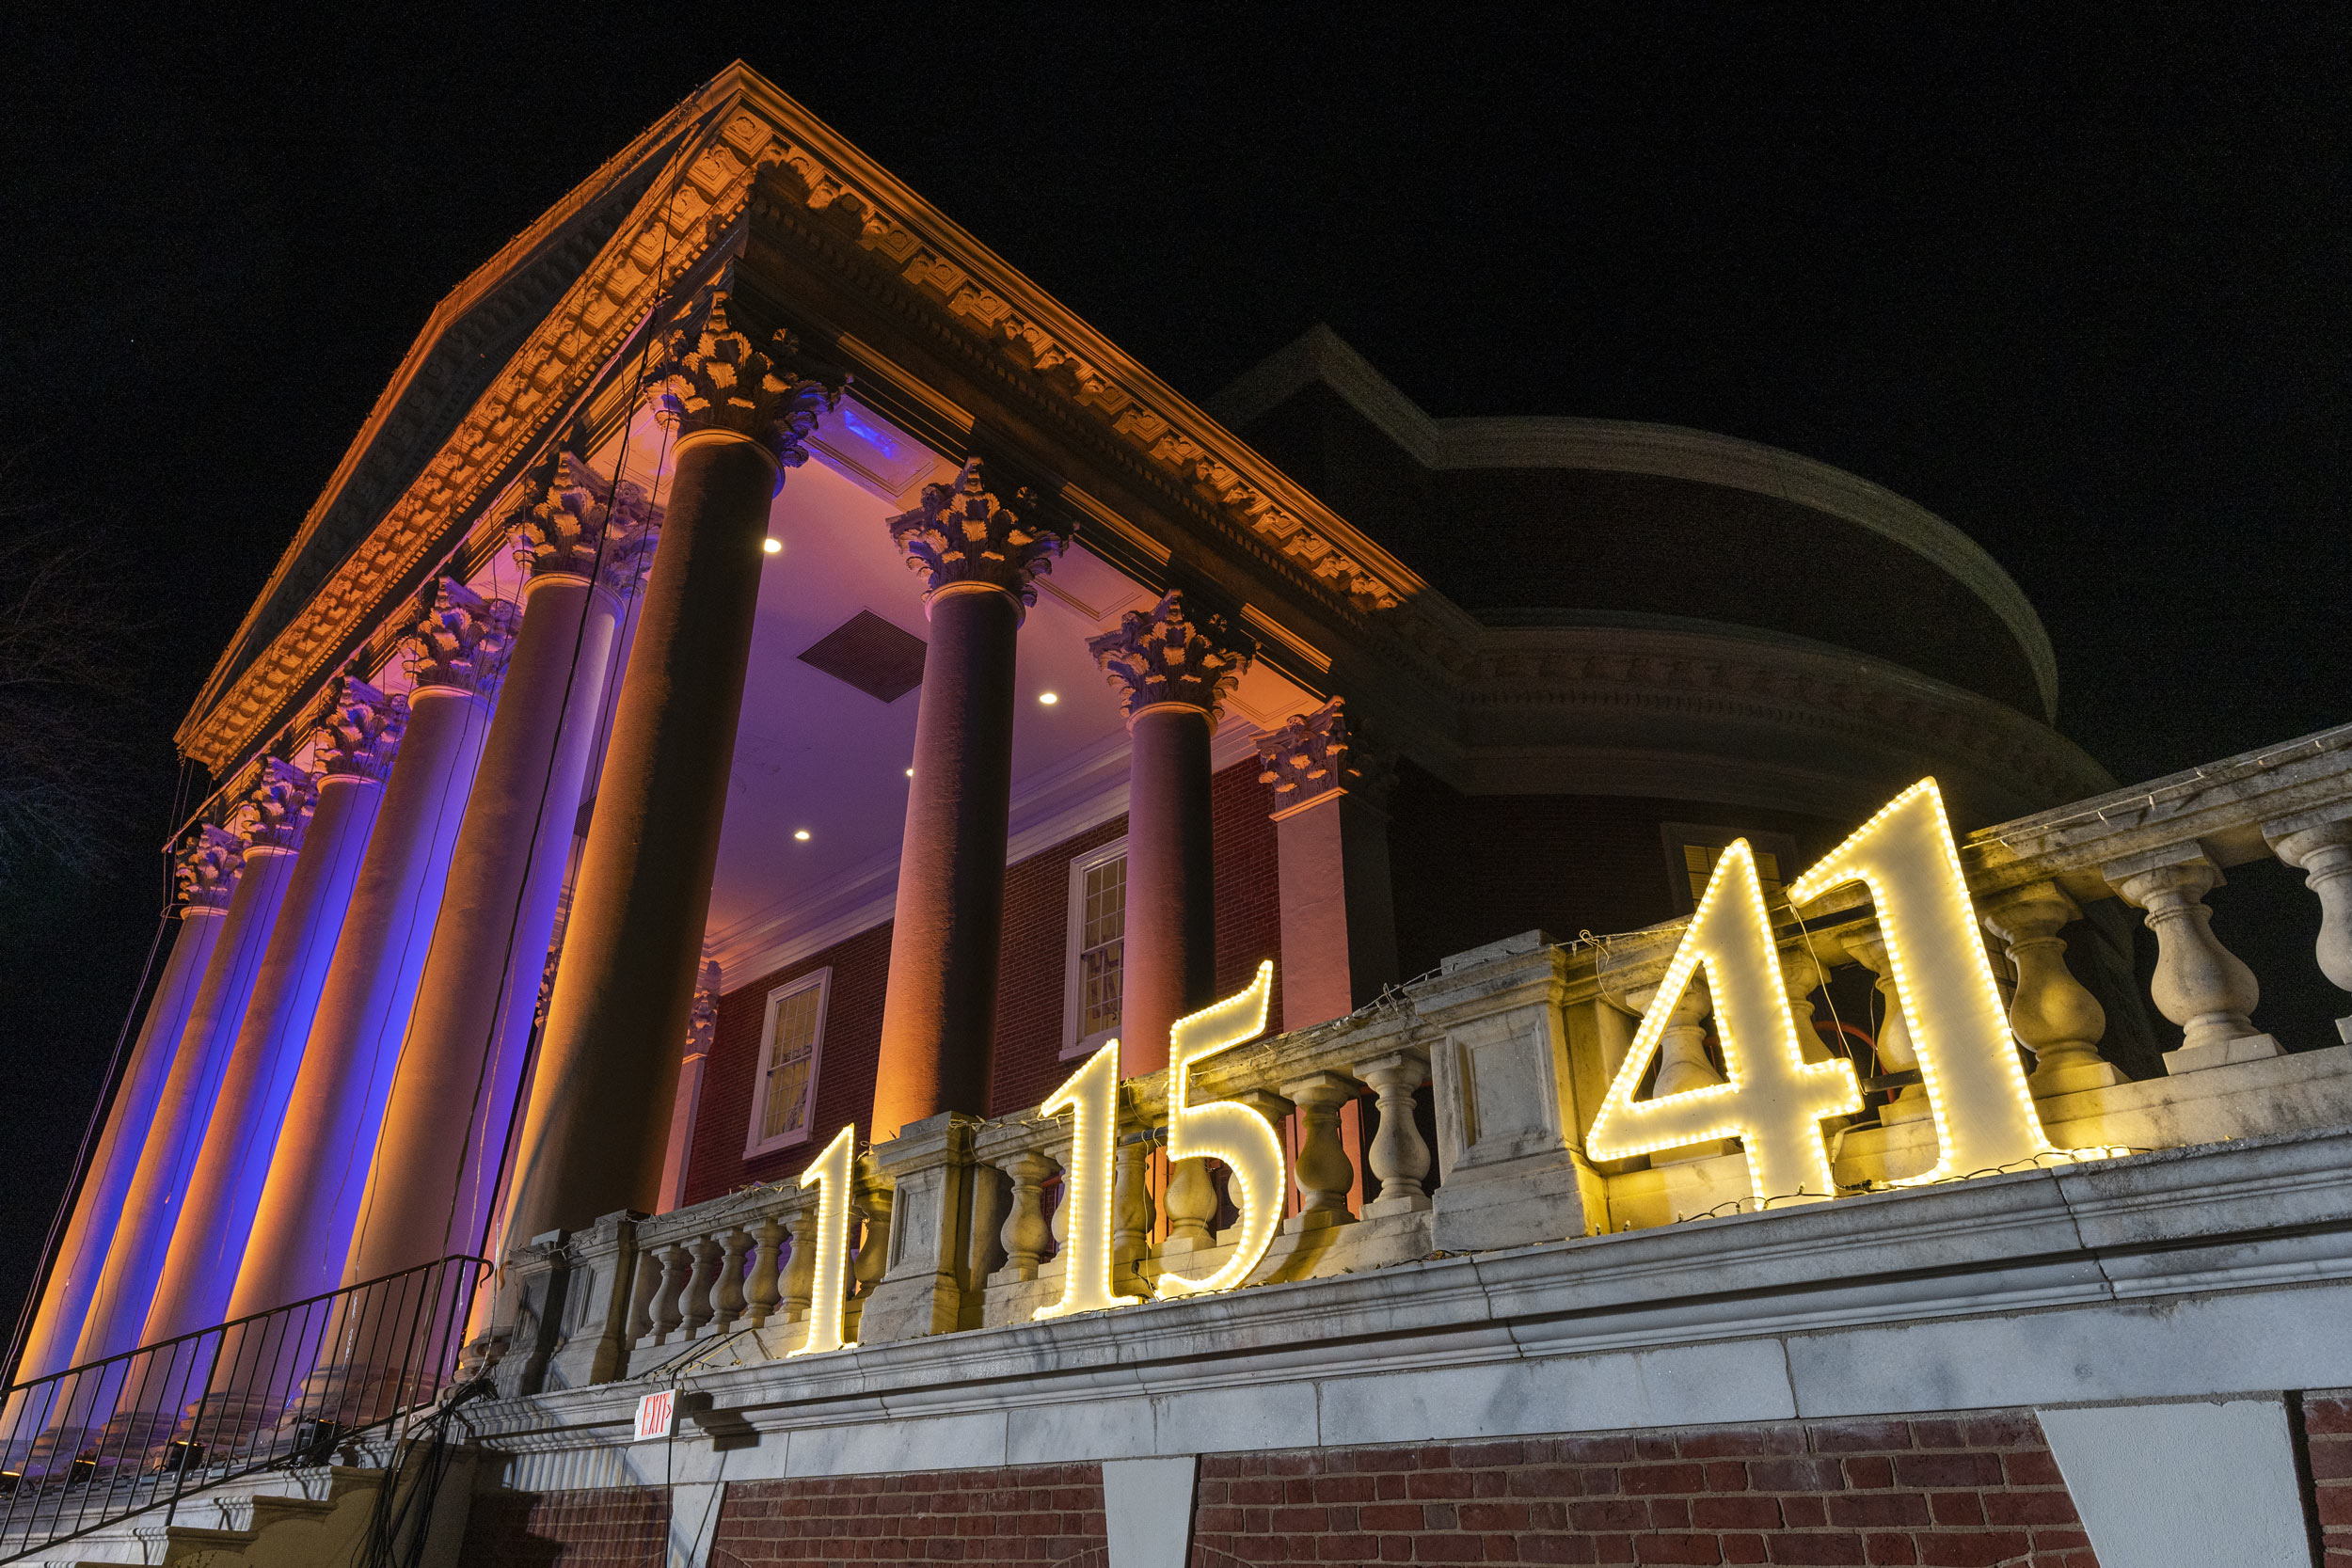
x: 773, y: 546
x: 1048, y: 698
x: 800, y: 833
x: 910, y: 772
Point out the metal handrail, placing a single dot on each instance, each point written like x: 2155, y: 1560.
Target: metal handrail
x: 95, y: 1444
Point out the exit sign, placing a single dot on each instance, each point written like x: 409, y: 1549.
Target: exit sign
x: 657, y: 1415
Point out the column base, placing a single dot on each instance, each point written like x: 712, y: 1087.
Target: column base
x: 1413, y: 1203
x: 909, y: 1308
x: 2228, y: 1053
x: 2068, y: 1077
x: 1315, y: 1219
x: 1523, y: 1202
x: 1907, y: 1107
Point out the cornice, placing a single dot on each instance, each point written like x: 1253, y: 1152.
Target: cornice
x: 725, y: 136
x: 1697, y: 668
x: 1631, y: 446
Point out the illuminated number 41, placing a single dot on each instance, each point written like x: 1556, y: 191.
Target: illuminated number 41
x: 1775, y: 1100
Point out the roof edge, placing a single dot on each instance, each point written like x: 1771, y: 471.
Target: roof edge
x: 1634, y: 447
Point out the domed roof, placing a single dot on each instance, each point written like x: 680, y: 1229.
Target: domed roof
x: 1565, y: 521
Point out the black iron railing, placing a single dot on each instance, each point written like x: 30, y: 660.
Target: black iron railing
x: 94, y: 1445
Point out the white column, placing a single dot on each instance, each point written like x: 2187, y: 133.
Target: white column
x: 2199, y: 985
x: 2323, y: 852
x: 702, y: 1027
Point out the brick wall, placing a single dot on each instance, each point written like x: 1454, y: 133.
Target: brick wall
x: 1969, y: 1491
x: 621, y: 1527
x: 1048, y: 1514
x: 1027, y: 1063
x: 2327, y: 1434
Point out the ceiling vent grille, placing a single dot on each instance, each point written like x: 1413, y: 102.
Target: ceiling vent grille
x: 871, y: 654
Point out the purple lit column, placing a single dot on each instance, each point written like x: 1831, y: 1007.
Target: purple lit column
x: 271, y: 809
x: 456, y: 659
x: 353, y: 746
x: 205, y: 869
x: 445, y: 1125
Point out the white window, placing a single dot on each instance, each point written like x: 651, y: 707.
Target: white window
x: 791, y: 1042
x: 1098, y: 930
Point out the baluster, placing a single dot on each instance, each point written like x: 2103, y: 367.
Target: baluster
x: 799, y: 1272
x: 2053, y: 1013
x: 1398, y: 1157
x: 760, y: 1296
x: 2199, y: 985
x: 988, y: 1197
x: 873, y: 1248
x: 1027, y: 1236
x: 1801, y: 975
x: 1866, y: 944
x: 1322, y: 1171
x: 1059, y: 1226
x: 2324, y: 854
x: 677, y: 1267
x: 697, y: 1303
x: 1131, y: 1204
x: 1190, y: 1202
x: 1682, y: 1062
x: 729, y: 1299
x: 647, y: 1285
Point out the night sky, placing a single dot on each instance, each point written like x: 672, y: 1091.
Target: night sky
x: 2083, y: 292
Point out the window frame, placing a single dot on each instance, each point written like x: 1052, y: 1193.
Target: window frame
x: 1074, y: 1044
x: 1675, y: 836
x: 820, y: 980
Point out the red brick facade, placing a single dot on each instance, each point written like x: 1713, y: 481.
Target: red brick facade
x: 1033, y: 954
x: 2328, y: 1438
x: 1046, y: 1514
x: 1968, y: 1491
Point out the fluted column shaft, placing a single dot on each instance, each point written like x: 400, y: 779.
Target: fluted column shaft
x: 1169, y: 961
x: 593, y: 1135
x: 201, y: 1269
x: 151, y: 1203
x: 320, y: 1167
x: 90, y: 1234
x: 445, y: 1123
x: 938, y: 1021
x: 1173, y: 673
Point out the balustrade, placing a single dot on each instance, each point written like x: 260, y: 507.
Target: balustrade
x: 1516, y: 1043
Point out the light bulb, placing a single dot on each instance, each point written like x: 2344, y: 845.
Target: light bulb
x: 773, y: 546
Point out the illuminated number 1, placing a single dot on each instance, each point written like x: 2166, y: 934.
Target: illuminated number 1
x: 1775, y: 1100
x: 1092, y: 1095
x: 1984, y: 1113
x: 829, y: 1176
x: 1225, y: 1130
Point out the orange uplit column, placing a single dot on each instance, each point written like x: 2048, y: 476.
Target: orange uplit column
x: 456, y: 656
x: 1172, y: 674
x: 446, y: 1118
x: 205, y: 869
x: 595, y: 1128
x: 980, y: 559
x: 1339, y: 918
x: 267, y: 820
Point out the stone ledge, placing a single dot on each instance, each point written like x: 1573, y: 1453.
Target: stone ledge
x: 2179, y: 1273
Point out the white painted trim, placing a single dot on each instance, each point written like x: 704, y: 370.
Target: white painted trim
x: 1073, y: 909
x: 2157, y: 1485
x: 754, y: 1144
x: 1632, y: 447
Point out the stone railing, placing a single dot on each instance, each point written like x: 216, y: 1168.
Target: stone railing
x: 1506, y: 1051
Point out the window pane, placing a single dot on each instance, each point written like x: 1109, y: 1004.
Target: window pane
x: 785, y: 1106
x: 1102, y: 932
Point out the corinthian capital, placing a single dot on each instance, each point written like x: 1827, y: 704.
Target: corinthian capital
x: 461, y: 641
x: 275, y: 808
x: 575, y: 523
x: 360, y: 730
x: 1314, y: 755
x: 702, y: 1020
x: 707, y: 375
x: 1165, y: 656
x: 205, y: 868
x: 963, y: 533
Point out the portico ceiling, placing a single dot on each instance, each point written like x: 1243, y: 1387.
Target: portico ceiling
x: 816, y: 755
